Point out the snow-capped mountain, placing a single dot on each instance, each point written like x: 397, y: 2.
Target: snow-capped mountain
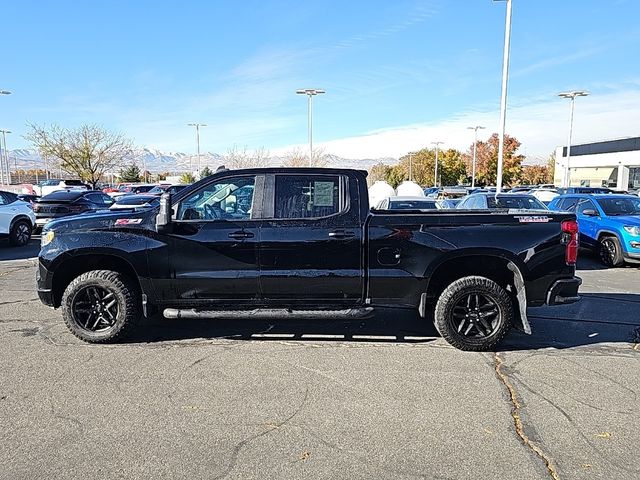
x: 157, y: 161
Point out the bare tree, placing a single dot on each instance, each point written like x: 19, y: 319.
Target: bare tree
x: 89, y: 151
x: 296, y: 158
x: 243, y: 158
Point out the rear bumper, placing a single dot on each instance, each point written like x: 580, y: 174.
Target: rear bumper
x: 564, y: 291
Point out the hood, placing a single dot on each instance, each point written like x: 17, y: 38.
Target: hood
x: 104, y: 219
x: 633, y: 220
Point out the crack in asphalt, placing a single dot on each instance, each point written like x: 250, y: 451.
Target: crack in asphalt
x: 516, y: 406
x: 270, y: 428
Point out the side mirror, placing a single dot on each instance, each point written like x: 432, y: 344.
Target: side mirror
x: 163, y: 220
x: 589, y: 212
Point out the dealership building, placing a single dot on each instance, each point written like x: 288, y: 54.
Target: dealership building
x: 613, y: 163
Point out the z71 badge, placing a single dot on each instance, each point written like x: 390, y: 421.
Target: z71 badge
x: 534, y: 219
x: 128, y: 221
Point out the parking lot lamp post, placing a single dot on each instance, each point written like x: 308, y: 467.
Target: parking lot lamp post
x: 2, y: 161
x: 475, y: 144
x: 197, y: 125
x: 503, y: 96
x: 572, y: 96
x: 310, y: 93
x: 6, y: 173
x: 435, y: 173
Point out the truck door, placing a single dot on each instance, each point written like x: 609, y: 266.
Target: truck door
x: 311, y: 240
x: 213, y: 248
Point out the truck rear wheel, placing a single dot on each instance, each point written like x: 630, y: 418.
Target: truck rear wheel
x: 474, y: 313
x: 100, y: 306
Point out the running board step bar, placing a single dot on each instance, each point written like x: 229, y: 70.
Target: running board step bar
x: 269, y: 313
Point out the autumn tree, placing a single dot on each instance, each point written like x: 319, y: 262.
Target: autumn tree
x: 487, y: 161
x: 378, y: 172
x: 420, y: 167
x: 89, y: 151
x: 243, y: 158
x: 296, y: 158
x: 187, y: 178
x: 536, y: 174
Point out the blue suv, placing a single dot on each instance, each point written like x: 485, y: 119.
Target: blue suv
x: 608, y: 223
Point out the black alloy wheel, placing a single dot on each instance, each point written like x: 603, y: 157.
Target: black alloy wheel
x: 95, y: 308
x: 101, y: 306
x: 609, y: 252
x: 20, y: 233
x: 475, y: 315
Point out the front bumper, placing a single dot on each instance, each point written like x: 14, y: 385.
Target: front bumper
x: 44, y: 284
x: 564, y: 291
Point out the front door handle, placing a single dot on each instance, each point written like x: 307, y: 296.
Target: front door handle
x: 240, y: 235
x: 341, y: 234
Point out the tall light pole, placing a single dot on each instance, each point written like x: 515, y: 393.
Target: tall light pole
x: 6, y: 172
x: 572, y: 96
x: 435, y: 175
x: 310, y: 93
x: 2, y: 159
x: 197, y: 125
x: 475, y: 144
x: 503, y: 96
x: 410, y: 166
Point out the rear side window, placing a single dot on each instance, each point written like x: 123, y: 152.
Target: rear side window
x: 307, y: 196
x: 6, y: 198
x: 569, y: 204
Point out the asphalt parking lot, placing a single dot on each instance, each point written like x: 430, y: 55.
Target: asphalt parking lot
x: 382, y: 398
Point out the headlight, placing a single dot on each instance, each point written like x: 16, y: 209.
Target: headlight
x: 47, y: 238
x: 632, y: 230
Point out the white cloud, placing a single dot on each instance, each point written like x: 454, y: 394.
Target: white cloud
x: 540, y: 125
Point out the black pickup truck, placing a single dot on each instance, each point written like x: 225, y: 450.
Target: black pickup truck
x: 304, y: 242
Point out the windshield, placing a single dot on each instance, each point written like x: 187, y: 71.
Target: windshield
x: 411, y: 204
x: 515, y: 202
x: 157, y: 189
x: 620, y: 206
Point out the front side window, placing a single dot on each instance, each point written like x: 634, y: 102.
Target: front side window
x: 225, y: 199
x: 307, y: 196
x: 585, y: 205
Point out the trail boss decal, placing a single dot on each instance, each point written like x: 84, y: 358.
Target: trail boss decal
x: 534, y: 219
x: 128, y: 221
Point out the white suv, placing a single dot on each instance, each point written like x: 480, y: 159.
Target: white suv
x: 49, y: 186
x: 16, y: 219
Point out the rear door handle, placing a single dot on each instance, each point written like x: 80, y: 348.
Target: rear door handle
x: 341, y: 234
x: 240, y: 235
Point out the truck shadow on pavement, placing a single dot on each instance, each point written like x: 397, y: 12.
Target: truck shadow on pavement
x: 596, y: 319
x: 387, y: 326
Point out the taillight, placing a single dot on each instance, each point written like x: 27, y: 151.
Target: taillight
x: 570, y: 239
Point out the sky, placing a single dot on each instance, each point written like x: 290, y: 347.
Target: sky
x: 398, y: 75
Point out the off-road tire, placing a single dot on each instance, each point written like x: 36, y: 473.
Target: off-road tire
x: 610, y: 251
x: 20, y: 233
x: 126, y: 293
x: 458, y: 290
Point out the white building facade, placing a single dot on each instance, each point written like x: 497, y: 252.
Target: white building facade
x: 613, y: 163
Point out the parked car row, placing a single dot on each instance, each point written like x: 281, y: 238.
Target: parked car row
x: 608, y: 222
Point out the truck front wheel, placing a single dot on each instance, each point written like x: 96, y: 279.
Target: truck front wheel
x: 474, y: 313
x: 100, y: 306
